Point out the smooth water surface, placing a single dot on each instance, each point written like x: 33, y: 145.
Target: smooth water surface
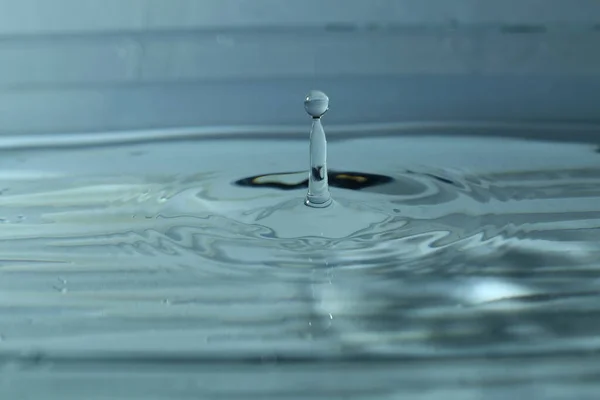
x: 462, y: 266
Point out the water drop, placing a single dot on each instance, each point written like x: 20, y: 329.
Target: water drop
x: 317, y: 104
x: 62, y: 288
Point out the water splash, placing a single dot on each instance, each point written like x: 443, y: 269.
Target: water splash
x: 316, y: 105
x: 491, y: 247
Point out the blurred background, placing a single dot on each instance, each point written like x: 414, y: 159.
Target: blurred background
x: 90, y: 65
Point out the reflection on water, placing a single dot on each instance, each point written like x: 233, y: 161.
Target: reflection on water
x: 470, y: 267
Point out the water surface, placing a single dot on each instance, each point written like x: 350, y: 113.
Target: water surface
x: 448, y: 264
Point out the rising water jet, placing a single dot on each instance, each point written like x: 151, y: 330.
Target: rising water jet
x: 316, y: 105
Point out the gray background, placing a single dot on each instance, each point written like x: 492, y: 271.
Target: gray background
x: 100, y: 65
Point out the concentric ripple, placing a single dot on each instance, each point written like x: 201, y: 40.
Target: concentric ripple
x: 450, y: 247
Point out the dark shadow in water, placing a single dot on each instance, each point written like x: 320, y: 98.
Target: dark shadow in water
x: 343, y: 180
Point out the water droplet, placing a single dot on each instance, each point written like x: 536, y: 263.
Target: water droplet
x: 62, y: 288
x: 317, y: 104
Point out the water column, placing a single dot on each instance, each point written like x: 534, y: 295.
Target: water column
x: 317, y: 104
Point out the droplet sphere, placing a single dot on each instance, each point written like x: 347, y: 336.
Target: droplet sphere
x: 316, y: 103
